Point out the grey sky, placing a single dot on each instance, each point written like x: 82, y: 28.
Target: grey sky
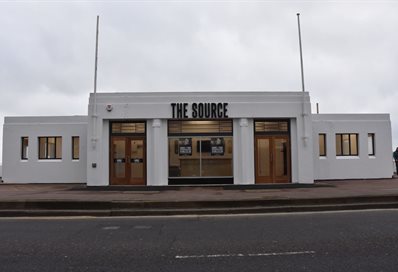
x: 47, y: 52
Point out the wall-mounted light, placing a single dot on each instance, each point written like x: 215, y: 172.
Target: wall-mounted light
x: 109, y: 107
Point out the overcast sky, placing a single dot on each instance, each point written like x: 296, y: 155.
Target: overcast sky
x: 47, y: 52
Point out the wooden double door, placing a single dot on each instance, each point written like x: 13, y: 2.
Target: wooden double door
x: 127, y: 160
x: 272, y: 159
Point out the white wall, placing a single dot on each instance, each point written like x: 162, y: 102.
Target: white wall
x: 34, y: 170
x: 155, y: 109
x: 355, y: 167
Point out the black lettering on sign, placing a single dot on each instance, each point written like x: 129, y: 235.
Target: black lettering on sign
x: 173, y: 105
x: 225, y: 110
x: 194, y: 110
x: 207, y: 110
x: 199, y: 110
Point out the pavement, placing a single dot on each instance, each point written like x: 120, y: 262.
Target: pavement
x: 79, y: 200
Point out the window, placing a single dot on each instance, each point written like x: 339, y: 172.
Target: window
x: 24, y: 148
x: 268, y: 126
x: 195, y: 127
x: 50, y: 148
x: 322, y: 145
x: 371, y: 144
x: 200, y: 149
x: 128, y: 128
x: 347, y: 144
x: 75, y: 147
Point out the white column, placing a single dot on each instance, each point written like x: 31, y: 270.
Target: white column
x: 305, y: 160
x: 243, y: 151
x: 157, y: 148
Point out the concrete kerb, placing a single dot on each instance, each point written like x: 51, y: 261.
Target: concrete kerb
x: 128, y: 208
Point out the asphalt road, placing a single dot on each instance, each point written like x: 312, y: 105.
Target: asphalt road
x: 340, y: 241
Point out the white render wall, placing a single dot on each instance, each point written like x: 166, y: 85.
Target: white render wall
x: 155, y: 109
x: 34, y: 170
x: 362, y: 166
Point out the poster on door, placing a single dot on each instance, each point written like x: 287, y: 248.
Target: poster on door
x: 185, y: 146
x: 217, y: 146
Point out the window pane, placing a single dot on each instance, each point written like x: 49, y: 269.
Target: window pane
x: 25, y: 144
x: 346, y: 144
x: 75, y: 147
x: 58, y: 151
x: 322, y: 144
x: 271, y: 126
x: 128, y: 128
x: 371, y: 150
x: 354, y: 144
x: 51, y: 148
x: 42, y: 148
x: 184, y: 157
x: 200, y: 157
x: 208, y: 126
x: 338, y: 145
x: 216, y: 156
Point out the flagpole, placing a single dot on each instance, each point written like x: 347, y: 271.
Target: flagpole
x: 96, y: 63
x: 304, y: 114
x: 94, y: 137
x: 301, y: 53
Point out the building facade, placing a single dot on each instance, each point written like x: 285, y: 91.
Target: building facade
x: 172, y: 138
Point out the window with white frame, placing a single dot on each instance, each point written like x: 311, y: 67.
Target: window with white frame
x: 371, y: 144
x: 75, y: 147
x: 24, y: 148
x: 50, y: 148
x: 322, y: 144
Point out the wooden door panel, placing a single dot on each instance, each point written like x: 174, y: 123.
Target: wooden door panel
x: 263, y: 160
x: 272, y: 159
x: 127, y: 161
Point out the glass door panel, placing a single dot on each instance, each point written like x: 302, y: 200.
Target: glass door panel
x: 280, y: 158
x: 263, y: 158
x: 137, y: 159
x: 118, y: 160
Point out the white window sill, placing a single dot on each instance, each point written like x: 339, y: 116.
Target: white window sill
x: 75, y: 160
x: 347, y: 157
x: 323, y: 157
x: 50, y: 160
x: 24, y: 160
x: 372, y: 157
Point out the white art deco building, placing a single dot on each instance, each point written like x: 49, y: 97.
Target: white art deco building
x: 169, y: 138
